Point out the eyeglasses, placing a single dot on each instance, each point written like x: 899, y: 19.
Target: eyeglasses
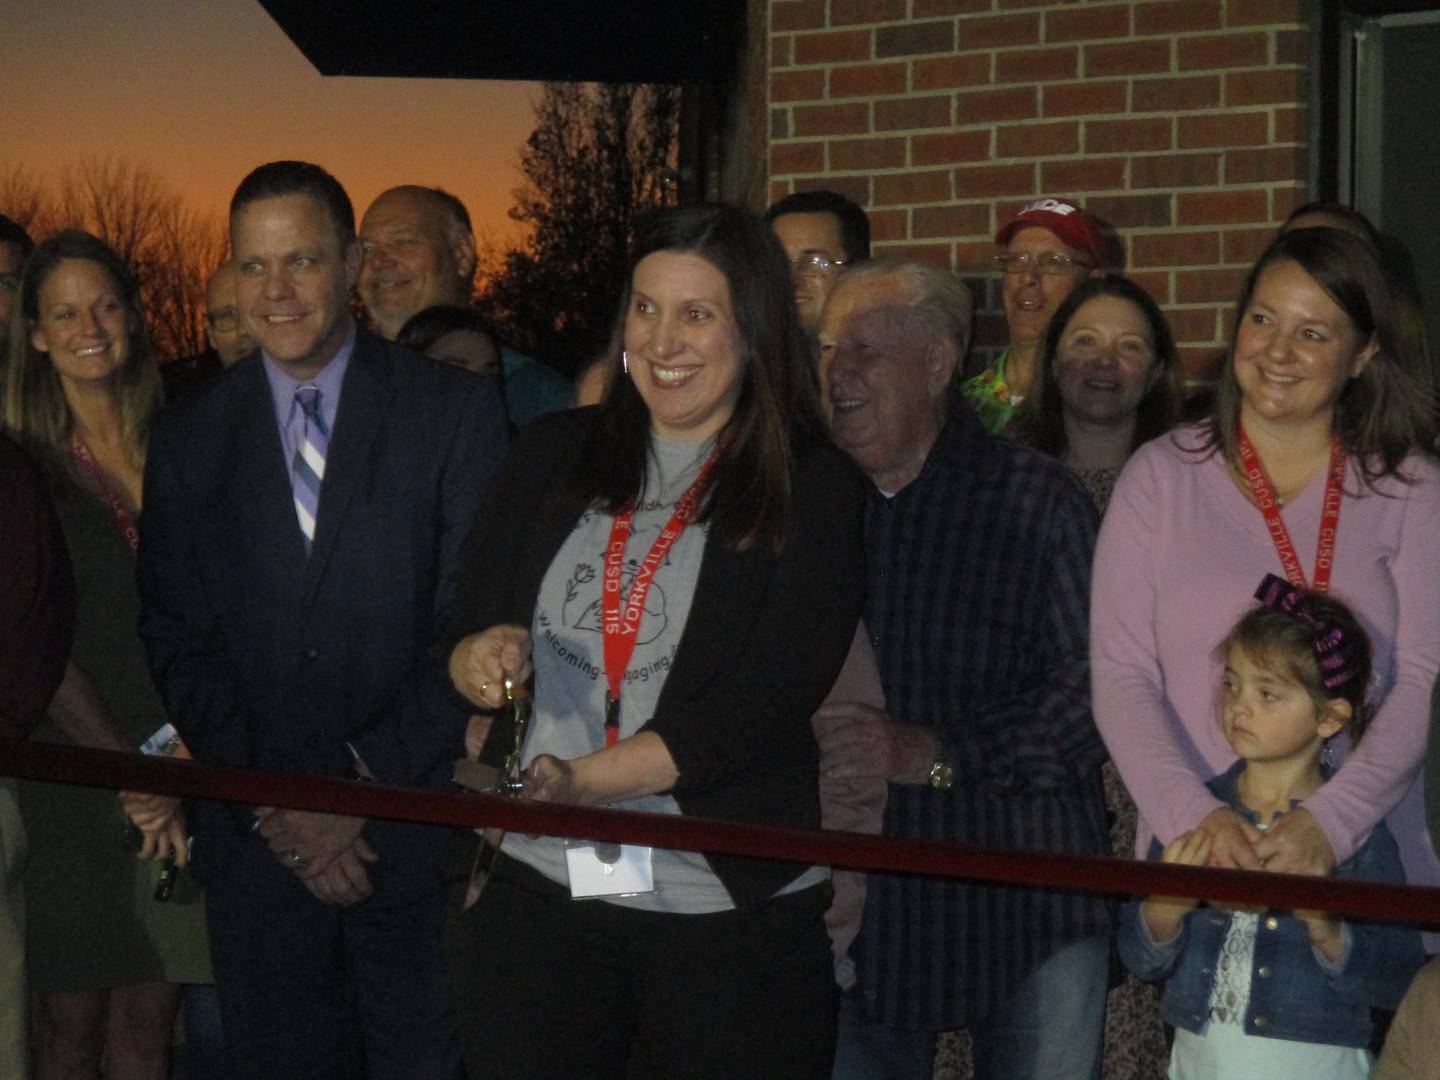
x: 815, y: 265
x: 224, y: 319
x: 1047, y: 262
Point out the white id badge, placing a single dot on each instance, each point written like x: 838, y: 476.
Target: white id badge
x: 608, y: 869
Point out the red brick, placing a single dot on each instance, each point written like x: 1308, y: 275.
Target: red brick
x: 832, y: 47
x: 1291, y: 125
x: 1283, y: 86
x: 895, y: 114
x: 963, y: 220
x: 1209, y: 286
x: 988, y: 181
x: 1084, y: 174
x: 1292, y: 46
x: 1232, y: 207
x: 807, y: 85
x: 1155, y: 282
x: 845, y: 12
x: 936, y: 255
x: 797, y: 158
x: 912, y: 187
x: 1176, y: 95
x: 780, y: 49
x: 1264, y: 12
x: 1203, y: 364
x: 778, y: 190
x: 1244, y: 246
x: 1171, y: 171
x: 1267, y: 164
x: 1037, y: 140
x: 867, y: 80
x: 779, y: 124
x: 1192, y: 324
x: 1120, y: 136
x: 853, y: 155
x: 964, y: 69
x: 832, y: 119
x: 1088, y: 24
x: 888, y: 225
x: 988, y: 106
x: 973, y: 257
x: 1175, y: 249
x: 1127, y: 58
x: 1083, y: 98
x: 999, y: 31
x: 852, y: 187
x: 1174, y: 16
x: 1224, y: 51
x: 1222, y: 130
x: 915, y: 38
x: 1285, y: 199
x: 1131, y: 211
x: 952, y: 147
x: 925, y: 9
x: 1037, y: 65
x: 797, y: 14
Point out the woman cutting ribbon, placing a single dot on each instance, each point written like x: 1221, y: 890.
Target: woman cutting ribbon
x: 1315, y: 464
x: 683, y: 567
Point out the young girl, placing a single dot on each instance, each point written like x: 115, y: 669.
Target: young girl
x: 1273, y: 994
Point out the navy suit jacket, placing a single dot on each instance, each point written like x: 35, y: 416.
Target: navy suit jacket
x: 270, y: 659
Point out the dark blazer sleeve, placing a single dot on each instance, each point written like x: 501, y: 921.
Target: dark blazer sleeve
x: 183, y: 636
x: 414, y: 738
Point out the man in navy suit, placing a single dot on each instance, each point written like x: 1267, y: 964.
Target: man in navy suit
x: 303, y: 514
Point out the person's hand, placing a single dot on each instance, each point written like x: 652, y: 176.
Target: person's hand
x: 1296, y: 844
x: 1234, y: 839
x: 1164, y: 914
x: 865, y: 742
x: 549, y: 779
x: 480, y: 663
x: 161, y: 821
x: 306, y: 842
x: 344, y: 882
x: 477, y: 730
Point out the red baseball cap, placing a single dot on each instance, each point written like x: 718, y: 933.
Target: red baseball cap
x: 1069, y: 222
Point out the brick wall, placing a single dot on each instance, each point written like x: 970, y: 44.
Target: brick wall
x: 1181, y: 122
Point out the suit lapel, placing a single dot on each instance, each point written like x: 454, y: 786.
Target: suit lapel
x: 262, y: 485
x: 364, y: 396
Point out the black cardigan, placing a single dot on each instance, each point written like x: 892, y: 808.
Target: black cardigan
x: 763, y: 644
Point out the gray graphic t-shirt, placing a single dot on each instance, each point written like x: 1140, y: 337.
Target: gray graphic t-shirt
x: 570, y: 665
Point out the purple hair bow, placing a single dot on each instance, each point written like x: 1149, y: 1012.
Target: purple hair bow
x: 1334, y: 652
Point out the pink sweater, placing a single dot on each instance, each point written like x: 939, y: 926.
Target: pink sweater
x: 1181, y: 553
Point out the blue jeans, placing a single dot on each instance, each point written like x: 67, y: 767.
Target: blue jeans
x: 1051, y: 1029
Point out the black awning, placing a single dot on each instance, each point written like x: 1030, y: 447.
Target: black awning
x: 659, y: 41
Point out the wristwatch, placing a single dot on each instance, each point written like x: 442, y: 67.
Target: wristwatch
x: 942, y: 776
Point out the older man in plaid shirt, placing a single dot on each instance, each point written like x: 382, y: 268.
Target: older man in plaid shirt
x: 979, y: 570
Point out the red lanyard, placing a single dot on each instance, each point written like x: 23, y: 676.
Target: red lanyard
x: 622, y: 627
x: 1269, y: 504
x: 123, y: 521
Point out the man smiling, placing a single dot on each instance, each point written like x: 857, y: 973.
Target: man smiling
x: 302, y: 520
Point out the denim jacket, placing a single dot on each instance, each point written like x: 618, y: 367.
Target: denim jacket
x: 1291, y: 995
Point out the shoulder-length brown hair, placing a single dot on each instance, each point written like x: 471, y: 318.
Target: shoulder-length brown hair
x: 777, y: 411
x: 1384, y: 413
x: 35, y: 406
x: 1041, y: 419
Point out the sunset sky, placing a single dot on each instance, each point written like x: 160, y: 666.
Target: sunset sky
x: 201, y: 91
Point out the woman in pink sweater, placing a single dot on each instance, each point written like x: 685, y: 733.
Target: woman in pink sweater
x: 1316, y: 416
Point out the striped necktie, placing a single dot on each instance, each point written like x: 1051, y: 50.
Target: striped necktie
x: 309, y: 466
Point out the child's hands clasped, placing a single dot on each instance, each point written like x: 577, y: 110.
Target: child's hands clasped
x: 1164, y: 914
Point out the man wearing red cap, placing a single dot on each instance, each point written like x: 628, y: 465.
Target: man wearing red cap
x: 1049, y: 248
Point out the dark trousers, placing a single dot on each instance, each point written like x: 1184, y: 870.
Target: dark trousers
x: 313, y: 991
x: 549, y: 987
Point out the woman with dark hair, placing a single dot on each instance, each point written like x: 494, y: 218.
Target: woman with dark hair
x: 705, y: 487
x: 1319, y: 443
x: 107, y: 957
x: 1110, y: 380
x: 453, y: 335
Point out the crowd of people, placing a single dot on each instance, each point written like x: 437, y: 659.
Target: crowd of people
x: 784, y: 555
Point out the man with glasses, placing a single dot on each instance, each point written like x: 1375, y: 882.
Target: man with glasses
x: 822, y: 232
x: 1047, y: 250
x: 222, y: 320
